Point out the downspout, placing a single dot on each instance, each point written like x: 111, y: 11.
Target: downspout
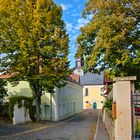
x: 51, y: 105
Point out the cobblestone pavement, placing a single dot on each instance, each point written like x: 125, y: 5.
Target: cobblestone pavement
x: 79, y: 128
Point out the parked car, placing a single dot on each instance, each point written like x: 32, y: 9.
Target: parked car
x: 137, y: 111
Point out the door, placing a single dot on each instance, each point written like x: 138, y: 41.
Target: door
x: 94, y: 105
x: 47, y: 111
x: 74, y: 108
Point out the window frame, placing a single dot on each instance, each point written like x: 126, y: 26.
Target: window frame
x: 86, y: 92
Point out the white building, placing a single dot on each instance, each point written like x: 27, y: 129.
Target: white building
x: 64, y: 102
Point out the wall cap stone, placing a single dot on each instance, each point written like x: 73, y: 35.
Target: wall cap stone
x: 128, y: 78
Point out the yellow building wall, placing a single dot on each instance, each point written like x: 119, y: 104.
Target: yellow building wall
x: 94, y: 95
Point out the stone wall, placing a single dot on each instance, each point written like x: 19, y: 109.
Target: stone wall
x: 109, y: 123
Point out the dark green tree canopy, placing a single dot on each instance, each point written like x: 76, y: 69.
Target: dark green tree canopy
x: 111, y: 40
x: 3, y: 92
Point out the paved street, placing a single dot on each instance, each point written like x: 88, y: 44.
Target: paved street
x: 79, y: 128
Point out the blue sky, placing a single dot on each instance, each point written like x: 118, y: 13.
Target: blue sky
x: 72, y: 15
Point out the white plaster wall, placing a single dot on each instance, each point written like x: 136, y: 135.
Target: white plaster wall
x: 20, y: 115
x: 46, y: 100
x: 21, y: 89
x: 79, y: 72
x: 70, y: 100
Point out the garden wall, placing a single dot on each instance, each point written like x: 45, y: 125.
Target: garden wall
x: 109, y: 123
x: 21, y: 115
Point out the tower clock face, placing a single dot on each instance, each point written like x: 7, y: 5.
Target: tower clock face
x: 79, y: 70
x: 78, y: 64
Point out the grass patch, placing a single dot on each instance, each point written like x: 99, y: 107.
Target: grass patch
x: 92, y: 131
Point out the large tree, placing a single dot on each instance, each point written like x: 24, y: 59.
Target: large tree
x: 111, y: 39
x: 34, y: 44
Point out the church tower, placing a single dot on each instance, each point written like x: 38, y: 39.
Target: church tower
x: 79, y: 66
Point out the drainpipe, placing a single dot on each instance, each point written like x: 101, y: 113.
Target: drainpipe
x: 51, y: 105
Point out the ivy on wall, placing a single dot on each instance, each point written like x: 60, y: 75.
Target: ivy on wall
x: 21, y: 101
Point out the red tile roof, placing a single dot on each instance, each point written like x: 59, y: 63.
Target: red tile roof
x: 7, y: 76
x: 74, y: 78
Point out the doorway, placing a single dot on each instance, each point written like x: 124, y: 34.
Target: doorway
x: 47, y: 111
x: 94, y: 105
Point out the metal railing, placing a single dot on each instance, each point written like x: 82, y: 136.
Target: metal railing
x: 136, y: 116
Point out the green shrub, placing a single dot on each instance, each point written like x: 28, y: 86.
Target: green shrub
x: 4, y: 114
x: 108, y: 103
x: 137, y: 127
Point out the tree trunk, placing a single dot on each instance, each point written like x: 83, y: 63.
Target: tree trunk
x: 38, y: 92
x: 38, y: 110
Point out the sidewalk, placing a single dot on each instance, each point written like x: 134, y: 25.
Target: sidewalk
x: 101, y: 133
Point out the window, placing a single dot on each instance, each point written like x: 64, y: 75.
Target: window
x: 68, y: 109
x: 71, y: 107
x: 46, y: 110
x: 102, y: 102
x: 60, y: 109
x: 62, y: 90
x: 68, y: 90
x: 86, y: 92
x: 102, y: 91
x: 87, y: 102
x: 64, y: 108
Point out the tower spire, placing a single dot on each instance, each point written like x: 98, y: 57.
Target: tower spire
x: 79, y: 64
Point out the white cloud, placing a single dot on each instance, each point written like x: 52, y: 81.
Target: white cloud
x: 73, y: 31
x: 65, y: 7
x: 73, y: 47
x: 81, y: 22
x: 74, y: 37
x: 89, y: 17
x: 69, y: 26
x: 71, y: 54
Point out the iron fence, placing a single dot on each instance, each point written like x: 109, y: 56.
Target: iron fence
x: 136, y: 116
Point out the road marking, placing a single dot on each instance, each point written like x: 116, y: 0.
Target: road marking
x: 41, y: 128
x: 95, y: 136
